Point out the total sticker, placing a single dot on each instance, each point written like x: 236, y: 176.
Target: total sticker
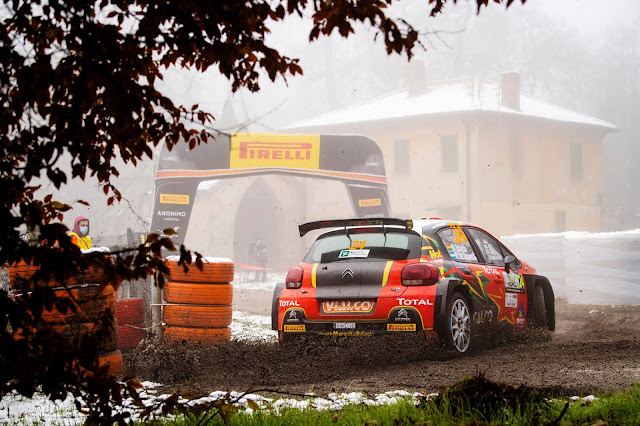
x: 510, y: 300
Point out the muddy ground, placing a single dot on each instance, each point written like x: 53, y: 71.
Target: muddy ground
x: 594, y: 349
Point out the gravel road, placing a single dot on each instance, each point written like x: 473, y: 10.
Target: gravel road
x: 594, y: 349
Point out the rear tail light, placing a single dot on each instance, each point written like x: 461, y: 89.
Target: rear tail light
x: 420, y: 274
x: 294, y: 277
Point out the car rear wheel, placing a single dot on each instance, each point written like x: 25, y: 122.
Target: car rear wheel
x: 538, y: 308
x: 458, y: 336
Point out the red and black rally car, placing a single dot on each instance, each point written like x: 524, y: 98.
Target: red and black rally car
x: 448, y: 280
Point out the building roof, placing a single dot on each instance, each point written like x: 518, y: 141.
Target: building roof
x: 443, y: 98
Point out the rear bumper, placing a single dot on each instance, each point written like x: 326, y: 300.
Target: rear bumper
x: 401, y: 319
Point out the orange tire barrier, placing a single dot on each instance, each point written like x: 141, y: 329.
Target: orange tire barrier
x: 90, y: 276
x: 91, y: 302
x: 25, y: 271
x: 93, y: 274
x: 199, y: 316
x: 215, y: 272
x: 203, y: 336
x: 91, y: 292
x: 198, y: 308
x: 21, y: 269
x: 194, y: 293
x: 75, y: 331
x: 87, y: 308
x: 114, y: 361
x: 82, y: 292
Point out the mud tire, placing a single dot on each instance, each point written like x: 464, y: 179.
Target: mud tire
x: 194, y: 293
x: 199, y: 316
x: 538, y: 308
x: 204, y: 336
x: 90, y: 302
x: 218, y: 272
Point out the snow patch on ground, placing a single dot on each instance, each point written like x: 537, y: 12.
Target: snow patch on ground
x: 252, y: 328
x: 17, y: 410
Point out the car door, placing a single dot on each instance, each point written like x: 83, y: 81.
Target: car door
x: 507, y: 290
x: 467, y: 266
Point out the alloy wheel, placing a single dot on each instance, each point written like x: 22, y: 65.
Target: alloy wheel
x: 460, y: 329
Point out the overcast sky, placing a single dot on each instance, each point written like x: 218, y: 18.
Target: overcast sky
x: 536, y: 39
x: 592, y: 20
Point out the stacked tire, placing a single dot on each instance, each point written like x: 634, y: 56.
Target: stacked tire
x: 132, y: 329
x: 91, y: 302
x: 197, y: 305
x: 20, y: 270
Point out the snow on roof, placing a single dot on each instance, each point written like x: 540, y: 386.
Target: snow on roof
x: 446, y: 97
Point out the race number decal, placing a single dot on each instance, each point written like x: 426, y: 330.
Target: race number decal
x: 459, y: 233
x: 356, y: 244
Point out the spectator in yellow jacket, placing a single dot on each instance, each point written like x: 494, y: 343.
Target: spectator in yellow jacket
x: 80, y: 234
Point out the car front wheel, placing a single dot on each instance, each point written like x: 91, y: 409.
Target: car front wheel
x: 458, y: 335
x: 539, y: 311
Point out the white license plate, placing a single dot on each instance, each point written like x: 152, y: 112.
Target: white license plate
x: 344, y: 325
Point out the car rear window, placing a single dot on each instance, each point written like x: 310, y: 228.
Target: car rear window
x: 365, y: 246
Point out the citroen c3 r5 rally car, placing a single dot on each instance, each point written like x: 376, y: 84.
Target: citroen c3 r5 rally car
x: 448, y: 280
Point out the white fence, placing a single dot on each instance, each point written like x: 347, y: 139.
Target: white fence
x: 585, y: 268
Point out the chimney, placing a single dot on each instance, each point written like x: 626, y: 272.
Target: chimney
x: 510, y: 90
x: 416, y: 77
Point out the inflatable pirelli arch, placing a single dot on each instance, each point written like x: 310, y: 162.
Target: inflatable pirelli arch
x: 353, y: 160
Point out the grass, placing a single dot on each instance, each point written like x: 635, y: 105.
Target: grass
x: 617, y: 409
x: 474, y: 401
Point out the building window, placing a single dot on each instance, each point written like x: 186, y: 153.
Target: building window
x: 401, y: 163
x: 449, y: 149
x: 576, y: 161
x: 561, y: 221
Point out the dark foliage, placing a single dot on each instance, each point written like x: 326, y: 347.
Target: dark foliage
x: 77, y: 91
x: 487, y: 398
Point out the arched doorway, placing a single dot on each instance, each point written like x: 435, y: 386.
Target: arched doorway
x: 258, y: 218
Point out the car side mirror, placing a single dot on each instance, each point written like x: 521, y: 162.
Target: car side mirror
x: 508, y: 261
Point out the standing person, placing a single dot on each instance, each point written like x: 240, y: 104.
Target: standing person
x: 246, y: 275
x: 80, y: 234
x: 261, y: 260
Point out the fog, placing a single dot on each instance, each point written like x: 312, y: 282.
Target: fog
x: 583, y: 55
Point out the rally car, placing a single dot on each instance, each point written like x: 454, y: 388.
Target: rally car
x: 445, y: 279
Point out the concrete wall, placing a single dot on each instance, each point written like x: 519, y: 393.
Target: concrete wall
x: 585, y: 268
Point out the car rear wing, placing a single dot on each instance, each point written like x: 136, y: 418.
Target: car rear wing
x: 345, y: 223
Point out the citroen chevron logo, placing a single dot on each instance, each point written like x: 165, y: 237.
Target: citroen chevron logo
x: 347, y: 273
